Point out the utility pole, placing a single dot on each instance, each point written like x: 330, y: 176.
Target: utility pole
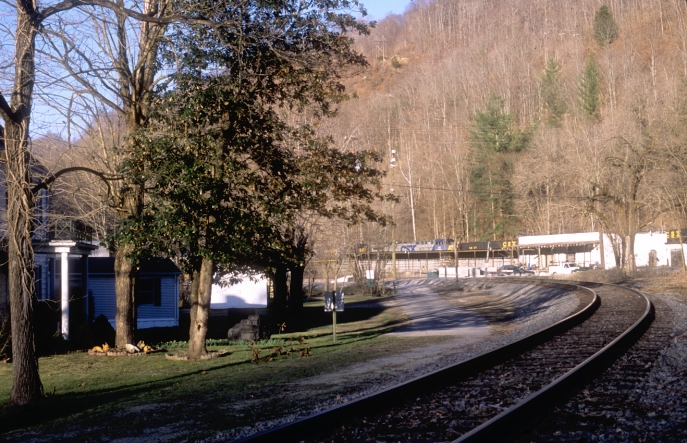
x: 393, y: 239
x: 393, y: 220
x: 381, y: 39
x: 455, y: 251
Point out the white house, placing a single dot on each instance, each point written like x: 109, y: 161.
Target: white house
x: 250, y: 292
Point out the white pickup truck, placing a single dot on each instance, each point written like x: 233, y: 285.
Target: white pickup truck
x: 563, y: 268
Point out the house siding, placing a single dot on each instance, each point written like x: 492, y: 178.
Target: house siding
x: 148, y: 316
x: 104, y: 301
x: 169, y: 302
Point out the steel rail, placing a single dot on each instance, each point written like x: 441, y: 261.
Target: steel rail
x: 307, y: 426
x: 528, y: 412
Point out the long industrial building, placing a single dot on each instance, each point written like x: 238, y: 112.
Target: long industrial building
x: 537, y: 252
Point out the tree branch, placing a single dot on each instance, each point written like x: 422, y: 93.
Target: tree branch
x: 7, y: 110
x: 71, y: 4
x: 76, y: 75
x: 103, y: 176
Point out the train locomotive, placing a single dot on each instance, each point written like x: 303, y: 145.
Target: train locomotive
x: 438, y: 244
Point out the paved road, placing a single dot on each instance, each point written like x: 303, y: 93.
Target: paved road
x: 432, y: 315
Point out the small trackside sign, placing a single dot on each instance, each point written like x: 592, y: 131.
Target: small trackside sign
x: 330, y: 303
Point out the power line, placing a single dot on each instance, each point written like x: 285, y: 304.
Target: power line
x: 462, y: 191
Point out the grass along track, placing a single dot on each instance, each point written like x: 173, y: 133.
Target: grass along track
x: 153, y: 399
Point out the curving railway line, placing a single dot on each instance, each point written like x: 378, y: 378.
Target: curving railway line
x: 497, y: 395
x: 612, y: 408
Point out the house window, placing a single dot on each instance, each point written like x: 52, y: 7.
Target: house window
x: 570, y: 258
x: 148, y: 292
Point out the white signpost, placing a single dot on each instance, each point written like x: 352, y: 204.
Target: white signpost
x: 333, y: 302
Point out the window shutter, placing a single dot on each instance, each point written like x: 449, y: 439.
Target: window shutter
x: 158, y: 292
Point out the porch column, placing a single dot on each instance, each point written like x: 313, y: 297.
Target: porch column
x: 64, y: 280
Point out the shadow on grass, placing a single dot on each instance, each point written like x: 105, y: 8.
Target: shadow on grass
x: 312, y: 318
x: 64, y: 405
x: 309, y: 317
x: 359, y: 335
x: 69, y: 404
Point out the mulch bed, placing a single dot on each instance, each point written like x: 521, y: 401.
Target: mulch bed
x: 120, y: 353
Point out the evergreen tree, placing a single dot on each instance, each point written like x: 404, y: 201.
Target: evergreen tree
x: 494, y: 129
x: 551, y: 92
x: 588, y: 89
x: 226, y: 166
x: 605, y: 29
x: 494, y: 141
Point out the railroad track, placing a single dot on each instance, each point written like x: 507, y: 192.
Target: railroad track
x: 613, y: 404
x: 497, y: 394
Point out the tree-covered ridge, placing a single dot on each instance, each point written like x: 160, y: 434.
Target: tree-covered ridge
x: 574, y: 78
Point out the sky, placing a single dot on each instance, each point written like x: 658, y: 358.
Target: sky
x: 378, y: 9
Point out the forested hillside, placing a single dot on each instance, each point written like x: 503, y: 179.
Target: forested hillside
x: 516, y: 117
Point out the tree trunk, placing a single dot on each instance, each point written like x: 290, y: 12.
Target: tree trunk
x: 26, y: 383
x: 630, y: 255
x: 133, y: 90
x: 296, y: 288
x: 125, y: 282
x: 622, y: 250
x: 199, y: 327
x: 26, y: 386
x: 281, y: 290
x: 602, y: 251
x: 195, y: 284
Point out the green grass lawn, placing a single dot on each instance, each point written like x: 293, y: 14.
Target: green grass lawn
x: 89, y: 391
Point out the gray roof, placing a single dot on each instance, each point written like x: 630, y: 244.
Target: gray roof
x: 156, y: 265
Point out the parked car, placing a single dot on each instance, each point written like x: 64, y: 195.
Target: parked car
x: 514, y: 270
x: 563, y: 268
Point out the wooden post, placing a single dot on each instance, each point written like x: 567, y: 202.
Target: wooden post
x: 455, y: 254
x: 334, y: 318
x: 682, y: 250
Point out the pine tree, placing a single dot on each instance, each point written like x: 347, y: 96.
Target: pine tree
x: 494, y: 140
x: 605, y: 28
x: 551, y: 92
x: 588, y: 89
x: 494, y: 130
